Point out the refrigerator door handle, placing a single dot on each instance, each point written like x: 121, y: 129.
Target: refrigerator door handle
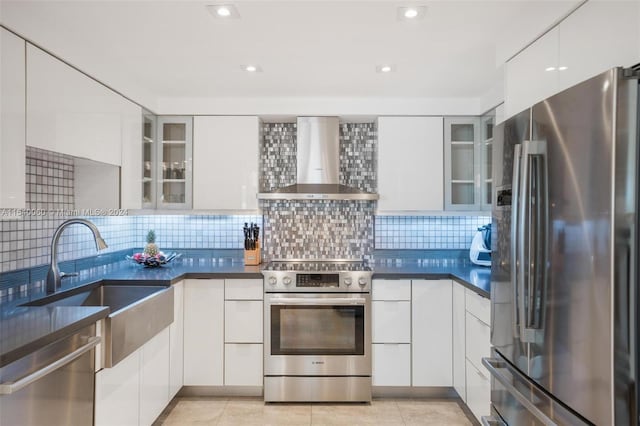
x: 515, y: 197
x: 495, y: 367
x: 532, y: 225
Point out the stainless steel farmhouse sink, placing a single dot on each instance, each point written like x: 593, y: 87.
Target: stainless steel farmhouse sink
x: 138, y: 312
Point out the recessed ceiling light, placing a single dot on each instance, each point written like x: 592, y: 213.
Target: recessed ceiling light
x: 563, y: 68
x: 385, y: 68
x: 550, y: 69
x: 223, y: 11
x: 411, y: 13
x: 252, y: 68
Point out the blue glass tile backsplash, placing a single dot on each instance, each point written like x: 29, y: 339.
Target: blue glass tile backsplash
x: 426, y: 232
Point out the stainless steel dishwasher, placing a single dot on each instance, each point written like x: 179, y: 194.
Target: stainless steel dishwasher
x: 53, y: 385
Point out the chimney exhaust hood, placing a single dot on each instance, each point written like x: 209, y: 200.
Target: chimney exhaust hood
x: 318, y: 165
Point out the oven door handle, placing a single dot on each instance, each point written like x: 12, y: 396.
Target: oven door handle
x: 342, y: 301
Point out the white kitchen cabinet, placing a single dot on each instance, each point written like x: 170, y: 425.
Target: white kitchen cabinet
x: 176, y: 344
x: 391, y: 290
x: 478, y: 305
x: 117, y: 393
x: 487, y: 124
x: 431, y: 340
x: 174, y: 169
x: 204, y: 332
x: 462, y: 165
x: 478, y: 391
x: 459, y: 351
x: 391, y: 364
x: 12, y: 120
x: 410, y: 164
x: 131, y: 180
x: 391, y: 321
x: 225, y: 162
x: 526, y: 78
x: 596, y: 37
x: 154, y: 377
x: 244, y: 289
x: 478, y: 340
x: 243, y: 321
x: 70, y: 113
x: 243, y: 364
x: 149, y: 171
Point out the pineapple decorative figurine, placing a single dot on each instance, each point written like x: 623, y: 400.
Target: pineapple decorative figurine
x: 151, y: 256
x: 151, y: 249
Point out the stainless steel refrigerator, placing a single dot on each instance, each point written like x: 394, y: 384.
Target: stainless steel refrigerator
x: 564, y: 263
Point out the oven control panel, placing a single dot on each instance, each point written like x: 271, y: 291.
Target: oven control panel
x: 305, y: 282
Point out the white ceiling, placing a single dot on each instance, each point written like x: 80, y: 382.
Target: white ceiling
x: 151, y: 50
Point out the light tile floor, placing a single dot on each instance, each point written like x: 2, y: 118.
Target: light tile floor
x: 243, y: 411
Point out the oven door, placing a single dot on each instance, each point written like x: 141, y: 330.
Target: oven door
x: 317, y: 334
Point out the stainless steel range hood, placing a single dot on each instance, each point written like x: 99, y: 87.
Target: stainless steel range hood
x: 318, y: 165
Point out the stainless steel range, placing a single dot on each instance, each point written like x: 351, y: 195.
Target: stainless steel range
x: 317, y: 331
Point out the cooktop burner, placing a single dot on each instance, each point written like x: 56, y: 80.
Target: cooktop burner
x: 318, y: 266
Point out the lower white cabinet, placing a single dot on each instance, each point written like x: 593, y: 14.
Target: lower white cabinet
x: 176, y: 341
x: 117, y: 393
x: 136, y: 390
x: 203, y: 332
x: 243, y: 321
x: 154, y: 377
x: 243, y: 364
x: 431, y: 340
x: 391, y: 364
x: 391, y: 321
x: 223, y: 337
x: 478, y: 390
x: 459, y: 379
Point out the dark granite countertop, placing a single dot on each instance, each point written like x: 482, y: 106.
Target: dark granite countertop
x: 25, y: 329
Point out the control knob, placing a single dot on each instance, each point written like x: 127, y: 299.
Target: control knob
x: 362, y: 281
x: 286, y: 280
x: 273, y: 281
x: 347, y: 281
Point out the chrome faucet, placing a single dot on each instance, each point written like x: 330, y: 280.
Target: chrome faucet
x: 54, y: 276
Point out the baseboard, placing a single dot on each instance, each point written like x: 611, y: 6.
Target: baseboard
x: 413, y: 392
x: 221, y: 391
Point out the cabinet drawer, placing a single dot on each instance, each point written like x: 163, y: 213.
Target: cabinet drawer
x: 391, y: 290
x: 391, y: 322
x: 478, y: 391
x: 478, y: 306
x: 243, y: 364
x: 243, y: 289
x: 243, y: 321
x: 391, y: 364
x: 478, y: 340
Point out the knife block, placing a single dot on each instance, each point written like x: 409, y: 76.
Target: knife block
x: 253, y: 257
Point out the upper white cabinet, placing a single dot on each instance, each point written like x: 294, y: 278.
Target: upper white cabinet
x: 526, y: 78
x: 12, y: 120
x: 225, y: 163
x: 462, y: 164
x: 174, y: 150
x: 70, y: 113
x: 130, y: 179
x: 594, y: 38
x: 410, y: 163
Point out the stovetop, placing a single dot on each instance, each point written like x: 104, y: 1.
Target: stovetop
x: 318, y: 266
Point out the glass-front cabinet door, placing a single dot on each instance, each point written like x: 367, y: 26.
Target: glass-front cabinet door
x: 486, y: 148
x: 462, y: 163
x: 149, y: 160
x: 175, y: 136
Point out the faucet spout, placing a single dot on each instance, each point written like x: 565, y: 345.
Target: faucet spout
x: 54, y: 277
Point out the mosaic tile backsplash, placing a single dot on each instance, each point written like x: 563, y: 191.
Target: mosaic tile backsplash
x: 427, y: 232
x: 318, y: 229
